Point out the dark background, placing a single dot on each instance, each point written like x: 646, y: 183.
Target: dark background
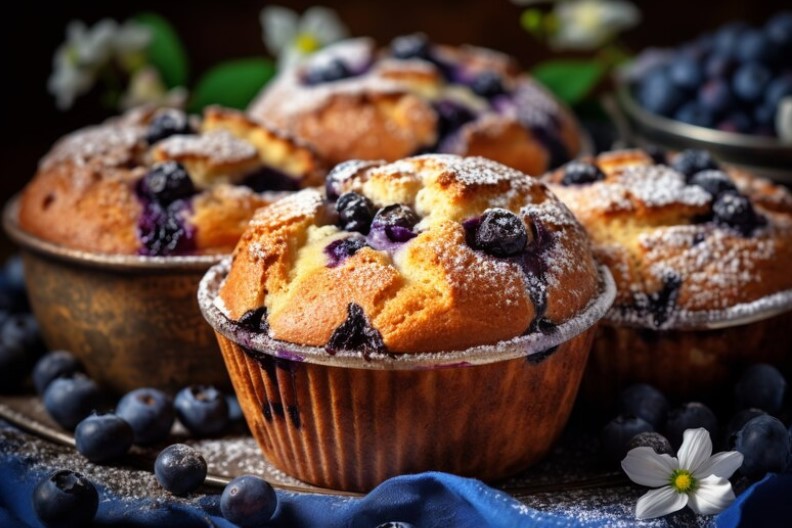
x: 216, y: 31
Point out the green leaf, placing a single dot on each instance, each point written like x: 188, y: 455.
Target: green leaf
x: 233, y: 84
x: 532, y: 21
x: 571, y: 80
x: 166, y: 51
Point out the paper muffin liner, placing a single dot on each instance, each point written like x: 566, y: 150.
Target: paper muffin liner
x: 693, y: 355
x: 348, y: 423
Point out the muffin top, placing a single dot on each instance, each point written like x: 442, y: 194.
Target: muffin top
x: 430, y: 253
x: 157, y: 182
x: 680, y: 233
x: 352, y: 101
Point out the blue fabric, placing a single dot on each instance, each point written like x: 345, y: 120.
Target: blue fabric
x: 427, y: 500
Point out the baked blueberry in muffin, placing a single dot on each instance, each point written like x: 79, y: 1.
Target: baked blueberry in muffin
x: 159, y: 182
x: 352, y: 101
x: 434, y: 252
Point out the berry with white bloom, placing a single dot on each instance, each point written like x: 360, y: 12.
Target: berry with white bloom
x: 695, y: 478
x: 292, y: 37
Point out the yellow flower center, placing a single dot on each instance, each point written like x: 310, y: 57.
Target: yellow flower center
x: 682, y: 481
x: 307, y: 43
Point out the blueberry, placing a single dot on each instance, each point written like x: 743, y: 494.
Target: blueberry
x: 686, y: 73
x: 355, y: 212
x: 501, y: 233
x: 57, y: 364
x: 778, y: 88
x: 715, y: 182
x: 248, y: 501
x: 735, y: 211
x: 658, y: 93
x: 488, y: 84
x: 696, y: 114
x: 644, y: 401
x: 333, y: 70
x: 338, y: 251
x: 736, y: 423
x: 451, y: 116
x: 779, y: 30
x: 716, y: 96
x: 761, y: 386
x: 164, y: 231
x: 69, y: 400
x: 727, y: 39
x: 756, y: 46
x: 750, y: 80
x: 180, y: 469
x: 690, y: 416
x: 764, y: 116
x: 764, y: 444
x: 167, y: 182
x: 15, y: 364
x: 14, y: 274
x: 738, y: 122
x: 719, y: 66
x: 103, y: 437
x: 202, y: 410
x: 617, y: 434
x: 23, y: 329
x: 411, y: 47
x: 166, y: 123
x: 355, y: 333
x: 150, y: 413
x: 580, y: 172
x: 396, y: 215
x: 656, y: 441
x: 234, y: 409
x: 689, y: 162
x: 396, y: 524
x: 65, y: 499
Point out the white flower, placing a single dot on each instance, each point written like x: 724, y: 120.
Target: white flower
x: 784, y: 119
x: 695, y: 479
x: 291, y: 37
x: 587, y: 24
x: 87, y: 50
x: 146, y: 87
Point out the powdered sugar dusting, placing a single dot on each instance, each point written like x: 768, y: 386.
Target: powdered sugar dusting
x: 218, y: 146
x: 658, y: 186
x: 109, y: 145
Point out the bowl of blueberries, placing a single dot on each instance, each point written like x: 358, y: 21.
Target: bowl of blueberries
x: 728, y: 91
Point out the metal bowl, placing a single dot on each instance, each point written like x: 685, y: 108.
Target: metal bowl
x: 767, y: 157
x: 132, y: 320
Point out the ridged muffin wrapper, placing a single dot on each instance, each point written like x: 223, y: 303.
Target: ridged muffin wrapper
x: 694, y: 355
x: 346, y: 422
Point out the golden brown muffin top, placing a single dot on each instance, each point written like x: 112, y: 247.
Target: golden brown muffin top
x: 680, y: 233
x: 94, y: 190
x: 430, y: 253
x: 352, y: 101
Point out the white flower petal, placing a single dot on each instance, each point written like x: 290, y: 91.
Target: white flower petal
x: 696, y: 449
x: 647, y: 468
x: 324, y: 24
x: 131, y: 37
x: 289, y: 58
x: 659, y: 502
x: 713, y: 495
x: 784, y: 119
x: 721, y: 465
x: 279, y: 27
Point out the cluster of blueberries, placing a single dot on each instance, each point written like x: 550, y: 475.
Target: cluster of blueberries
x: 729, y: 208
x: 755, y: 429
x: 732, y: 79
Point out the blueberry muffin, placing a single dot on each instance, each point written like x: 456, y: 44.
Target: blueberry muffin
x: 352, y: 101
x: 698, y: 251
x: 157, y: 182
x: 412, y: 317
